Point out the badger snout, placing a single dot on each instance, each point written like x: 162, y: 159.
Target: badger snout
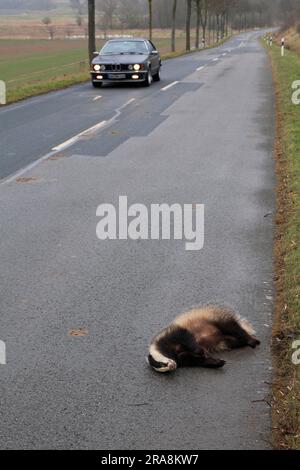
x: 169, y: 367
x: 162, y: 367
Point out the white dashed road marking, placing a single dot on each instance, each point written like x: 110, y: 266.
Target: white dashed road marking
x: 169, y: 86
x: 126, y: 104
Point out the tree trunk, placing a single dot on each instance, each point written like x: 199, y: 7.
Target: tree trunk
x: 188, y: 24
x: 174, y: 25
x: 223, y: 25
x: 203, y: 19
x: 91, y: 29
x: 150, y: 19
x: 226, y: 23
x: 198, y: 7
x: 218, y: 26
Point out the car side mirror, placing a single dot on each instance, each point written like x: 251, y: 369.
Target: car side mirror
x: 95, y: 53
x: 154, y: 52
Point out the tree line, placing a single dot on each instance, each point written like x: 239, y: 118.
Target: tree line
x: 208, y: 19
x: 205, y: 16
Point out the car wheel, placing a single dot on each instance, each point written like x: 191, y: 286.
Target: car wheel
x: 156, y: 77
x: 149, y: 78
x: 97, y: 84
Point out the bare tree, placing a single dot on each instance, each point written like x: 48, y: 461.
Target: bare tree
x: 91, y: 28
x: 49, y: 27
x: 78, y: 8
x: 204, y: 17
x: 173, y: 39
x: 188, y: 24
x: 201, y: 18
x: 150, y: 10
x: 109, y: 8
x: 198, y: 9
x: 131, y: 13
x: 79, y: 20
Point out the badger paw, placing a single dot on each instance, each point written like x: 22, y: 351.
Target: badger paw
x: 214, y: 363
x: 253, y: 342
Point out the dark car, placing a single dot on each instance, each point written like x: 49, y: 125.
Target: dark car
x: 126, y: 60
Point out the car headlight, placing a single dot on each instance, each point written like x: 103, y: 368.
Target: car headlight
x: 97, y: 67
x: 136, y: 67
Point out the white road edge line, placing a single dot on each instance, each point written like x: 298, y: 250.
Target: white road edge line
x: 200, y: 68
x: 32, y: 165
x: 74, y: 139
x: 29, y: 167
x: 169, y: 86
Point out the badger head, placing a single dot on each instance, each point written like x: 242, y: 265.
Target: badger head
x: 159, y: 362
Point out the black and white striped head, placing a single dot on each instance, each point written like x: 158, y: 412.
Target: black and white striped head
x: 159, y: 362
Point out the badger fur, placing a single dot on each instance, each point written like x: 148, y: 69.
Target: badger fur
x: 193, y: 335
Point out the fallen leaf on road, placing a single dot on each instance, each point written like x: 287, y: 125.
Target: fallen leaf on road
x: 79, y: 332
x: 56, y: 156
x: 26, y: 180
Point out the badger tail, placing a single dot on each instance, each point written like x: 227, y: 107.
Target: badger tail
x: 246, y: 325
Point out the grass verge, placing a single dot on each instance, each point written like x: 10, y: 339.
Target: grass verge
x: 286, y: 383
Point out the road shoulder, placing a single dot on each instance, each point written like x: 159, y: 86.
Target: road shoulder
x: 286, y: 331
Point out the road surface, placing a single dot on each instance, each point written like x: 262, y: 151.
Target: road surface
x: 204, y: 134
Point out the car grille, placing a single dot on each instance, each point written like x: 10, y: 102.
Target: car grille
x: 116, y: 67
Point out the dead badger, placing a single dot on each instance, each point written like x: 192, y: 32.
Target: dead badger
x: 192, y: 336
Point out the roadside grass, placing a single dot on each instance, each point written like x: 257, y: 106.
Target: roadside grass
x: 34, y: 66
x: 292, y: 39
x: 30, y: 67
x: 286, y: 383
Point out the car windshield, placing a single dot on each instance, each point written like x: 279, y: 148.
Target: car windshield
x: 124, y: 47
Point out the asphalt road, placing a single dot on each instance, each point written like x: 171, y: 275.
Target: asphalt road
x: 208, y: 139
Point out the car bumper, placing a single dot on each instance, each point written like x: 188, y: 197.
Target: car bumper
x: 139, y: 76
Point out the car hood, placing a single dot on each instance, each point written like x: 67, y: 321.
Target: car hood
x: 120, y: 59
